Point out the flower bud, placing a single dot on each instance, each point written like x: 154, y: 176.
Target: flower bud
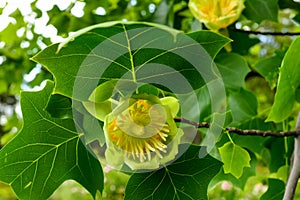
x: 217, y: 14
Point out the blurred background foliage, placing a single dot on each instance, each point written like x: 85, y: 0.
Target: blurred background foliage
x: 28, y: 26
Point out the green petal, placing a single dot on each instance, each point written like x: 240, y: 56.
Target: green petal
x: 103, y: 92
x: 136, y: 164
x: 172, y: 103
x: 98, y: 110
x: 172, y: 150
x: 114, y: 157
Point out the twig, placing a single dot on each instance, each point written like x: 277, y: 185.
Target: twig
x: 240, y: 131
x: 267, y: 32
x: 295, y: 167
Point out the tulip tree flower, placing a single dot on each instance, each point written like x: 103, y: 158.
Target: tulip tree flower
x: 141, y: 132
x: 216, y: 14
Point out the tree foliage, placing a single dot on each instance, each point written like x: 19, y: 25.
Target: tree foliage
x: 244, y: 76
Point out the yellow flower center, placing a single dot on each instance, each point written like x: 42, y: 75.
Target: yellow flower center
x: 140, y: 130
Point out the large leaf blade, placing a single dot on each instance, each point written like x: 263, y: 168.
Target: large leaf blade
x: 138, y: 52
x: 259, y: 10
x: 46, y: 152
x: 186, y: 178
x: 288, y: 82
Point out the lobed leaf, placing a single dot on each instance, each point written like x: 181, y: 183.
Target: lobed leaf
x: 47, y: 152
x: 235, y: 158
x: 140, y: 53
x: 186, y: 178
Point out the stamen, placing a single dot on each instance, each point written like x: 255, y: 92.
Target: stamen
x: 126, y: 135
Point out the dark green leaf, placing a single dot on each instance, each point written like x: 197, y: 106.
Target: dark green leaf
x: 47, y: 152
x: 243, y: 105
x: 259, y: 10
x: 137, y: 52
x: 186, y: 178
x: 269, y: 69
x: 275, y: 191
x: 241, y: 41
x: 59, y: 106
x: 289, y: 4
x: 211, y: 42
x: 253, y: 143
x: 288, y: 82
x: 233, y: 69
x: 277, y: 151
x: 297, y: 18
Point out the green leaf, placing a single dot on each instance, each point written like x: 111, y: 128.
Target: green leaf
x: 251, y: 142
x: 212, y: 42
x: 278, y: 153
x: 288, y: 82
x: 259, y: 10
x: 241, y: 181
x: 142, y: 53
x: 243, y: 105
x: 297, y: 18
x: 89, y: 124
x: 47, y: 152
x: 269, y: 69
x: 289, y: 4
x: 235, y: 159
x: 186, y: 178
x: 242, y: 42
x: 275, y: 191
x: 59, y: 106
x: 233, y: 69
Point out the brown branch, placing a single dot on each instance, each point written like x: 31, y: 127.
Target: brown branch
x: 267, y: 32
x: 240, y: 131
x: 295, y: 167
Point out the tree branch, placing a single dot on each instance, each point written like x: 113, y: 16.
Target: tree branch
x: 295, y: 167
x: 240, y: 131
x: 267, y: 32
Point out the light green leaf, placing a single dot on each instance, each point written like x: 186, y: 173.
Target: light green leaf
x: 259, y: 10
x: 47, y: 152
x: 186, y: 178
x: 233, y: 69
x: 275, y: 190
x: 241, y: 181
x: 288, y: 82
x: 235, y: 159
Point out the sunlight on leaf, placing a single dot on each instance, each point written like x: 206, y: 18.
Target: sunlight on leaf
x: 235, y: 159
x: 47, y: 152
